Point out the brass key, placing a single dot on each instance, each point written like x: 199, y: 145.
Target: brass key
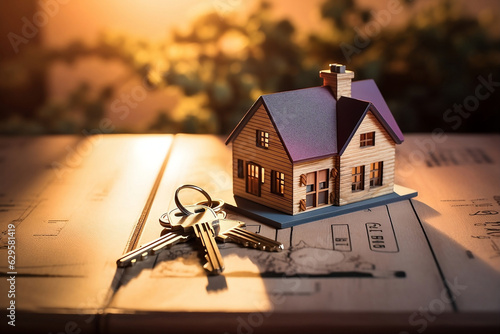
x: 203, y: 223
x: 152, y: 248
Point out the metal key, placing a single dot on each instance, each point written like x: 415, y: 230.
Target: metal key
x: 204, y: 223
x: 232, y: 231
x: 152, y: 248
x: 178, y: 221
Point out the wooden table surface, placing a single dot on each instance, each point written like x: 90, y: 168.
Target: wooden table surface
x: 72, y: 205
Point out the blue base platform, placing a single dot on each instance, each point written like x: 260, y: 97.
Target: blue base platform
x: 279, y: 219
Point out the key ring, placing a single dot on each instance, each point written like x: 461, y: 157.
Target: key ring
x: 216, y: 205
x: 178, y: 202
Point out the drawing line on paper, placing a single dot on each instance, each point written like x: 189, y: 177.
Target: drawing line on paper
x: 438, y: 266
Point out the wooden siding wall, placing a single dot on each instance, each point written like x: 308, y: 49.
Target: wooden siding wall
x: 354, y: 155
x: 308, y: 167
x: 273, y: 158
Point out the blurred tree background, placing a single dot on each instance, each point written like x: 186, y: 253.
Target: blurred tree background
x: 426, y: 67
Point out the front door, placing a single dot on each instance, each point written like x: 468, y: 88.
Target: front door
x: 317, y: 189
x: 253, y: 179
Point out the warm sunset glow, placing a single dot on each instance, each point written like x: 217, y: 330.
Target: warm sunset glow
x: 152, y: 19
x: 234, y: 43
x: 134, y: 61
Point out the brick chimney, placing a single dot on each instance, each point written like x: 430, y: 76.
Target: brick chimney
x: 338, y: 79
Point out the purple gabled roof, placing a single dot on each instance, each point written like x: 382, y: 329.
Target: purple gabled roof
x: 305, y: 120
x: 312, y: 124
x: 367, y: 90
x: 350, y: 114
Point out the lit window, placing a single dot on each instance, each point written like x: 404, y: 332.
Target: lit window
x: 358, y: 178
x: 277, y: 183
x: 376, y: 174
x: 367, y: 139
x: 262, y: 139
x: 253, y: 179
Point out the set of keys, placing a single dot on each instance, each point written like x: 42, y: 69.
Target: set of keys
x: 205, y: 221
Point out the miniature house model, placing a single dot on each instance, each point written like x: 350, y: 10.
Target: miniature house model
x: 301, y: 150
